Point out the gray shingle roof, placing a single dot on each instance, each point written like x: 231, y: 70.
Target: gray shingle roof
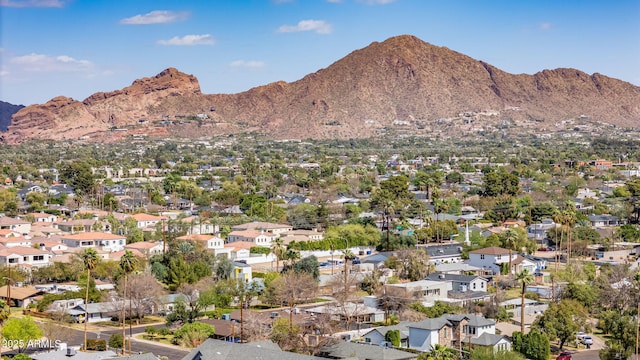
x: 220, y: 350
x: 487, y: 339
x: 348, y: 350
x: 430, y: 324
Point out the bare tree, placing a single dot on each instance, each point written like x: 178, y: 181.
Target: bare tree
x: 294, y: 288
x: 144, y: 292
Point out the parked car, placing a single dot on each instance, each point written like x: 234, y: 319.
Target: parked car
x: 587, y: 340
x: 565, y: 355
x: 580, y: 335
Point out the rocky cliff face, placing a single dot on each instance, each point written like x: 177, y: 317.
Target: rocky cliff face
x: 402, y: 79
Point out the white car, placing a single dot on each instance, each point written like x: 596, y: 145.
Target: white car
x: 580, y: 335
x: 587, y: 340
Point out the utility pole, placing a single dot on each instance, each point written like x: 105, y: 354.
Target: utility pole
x: 164, y: 240
x: 637, y: 331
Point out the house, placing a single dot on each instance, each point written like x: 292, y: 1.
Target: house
x: 20, y: 296
x: 213, y: 349
x: 42, y: 217
x: 198, y: 225
x: 461, y: 282
x: 491, y: 258
x: 242, y: 271
x: 458, y: 268
x: 24, y: 257
x: 147, y: 220
x: 538, y: 231
x: 310, y: 235
x: 444, y: 253
x: 21, y: 226
x: 356, y: 313
x: 240, y: 249
x: 76, y: 226
x: 102, y: 311
x: 104, y: 241
x: 209, y: 242
x: 9, y: 233
x: 356, y: 351
x: 271, y: 228
x: 603, y: 220
x: 258, y: 237
x: 425, y: 291
x: 377, y: 336
x: 456, y: 331
x: 65, y: 353
x: 146, y: 248
x: 12, y: 241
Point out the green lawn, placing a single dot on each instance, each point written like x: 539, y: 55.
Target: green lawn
x: 144, y: 321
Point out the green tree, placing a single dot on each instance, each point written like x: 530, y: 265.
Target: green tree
x: 79, y: 176
x: 116, y: 341
x: 439, y: 352
x: 562, y: 321
x: 21, y: 331
x: 487, y: 353
x: 308, y: 265
x: 278, y: 249
x: 534, y: 345
x: 193, y: 334
x: 393, y: 336
x: 90, y: 261
x: 510, y: 240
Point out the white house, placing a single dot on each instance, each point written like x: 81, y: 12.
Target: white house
x: 491, y: 258
x: 258, y: 237
x: 461, y: 282
x: 209, y: 242
x: 198, y: 225
x: 25, y: 257
x: 426, y: 291
x: 275, y: 229
x: 146, y: 248
x: 21, y: 226
x: 104, y: 241
x: 146, y: 220
x: 12, y: 241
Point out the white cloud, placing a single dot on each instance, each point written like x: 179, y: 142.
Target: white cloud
x: 188, y: 40
x: 47, y: 63
x: 317, y: 26
x: 155, y: 17
x: 4, y: 73
x: 32, y: 3
x: 250, y: 64
x: 544, y: 26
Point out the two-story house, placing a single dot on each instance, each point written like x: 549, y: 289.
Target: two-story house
x: 12, y: 241
x: 258, y: 237
x: 105, y: 241
x: 491, y: 258
x: 199, y: 225
x: 25, y: 257
x: 212, y: 243
x: 456, y: 331
x: 146, y: 248
x: 461, y: 282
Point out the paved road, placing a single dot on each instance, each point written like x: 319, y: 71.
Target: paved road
x: 76, y: 338
x: 587, y: 355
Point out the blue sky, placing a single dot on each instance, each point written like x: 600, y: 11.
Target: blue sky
x: 78, y: 47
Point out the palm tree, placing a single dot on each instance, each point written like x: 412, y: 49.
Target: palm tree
x: 278, y: 249
x: 348, y: 255
x: 525, y: 278
x: 439, y: 352
x: 291, y: 255
x: 128, y: 264
x: 510, y: 240
x: 90, y: 260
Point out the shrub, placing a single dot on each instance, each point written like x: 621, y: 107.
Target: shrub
x: 116, y: 341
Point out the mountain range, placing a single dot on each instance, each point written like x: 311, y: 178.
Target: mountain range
x: 402, y: 80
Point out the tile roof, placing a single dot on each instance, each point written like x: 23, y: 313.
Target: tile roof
x: 92, y: 236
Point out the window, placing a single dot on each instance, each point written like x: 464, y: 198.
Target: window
x: 38, y: 257
x: 445, y: 332
x: 482, y: 285
x: 481, y: 256
x: 474, y: 286
x: 499, y: 257
x: 13, y: 260
x: 25, y: 259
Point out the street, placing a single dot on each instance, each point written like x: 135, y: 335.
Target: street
x: 76, y: 338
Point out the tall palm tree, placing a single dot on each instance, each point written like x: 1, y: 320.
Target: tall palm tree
x: 348, y: 255
x: 278, y: 249
x: 128, y: 264
x: 525, y: 278
x: 90, y: 260
x: 510, y: 240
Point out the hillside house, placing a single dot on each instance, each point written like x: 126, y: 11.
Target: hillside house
x: 24, y: 257
x: 9, y: 223
x: 491, y: 258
